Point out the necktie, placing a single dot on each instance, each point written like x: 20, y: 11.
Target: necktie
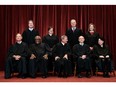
x: 73, y: 29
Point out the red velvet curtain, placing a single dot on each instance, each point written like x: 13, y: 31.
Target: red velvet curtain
x: 14, y: 19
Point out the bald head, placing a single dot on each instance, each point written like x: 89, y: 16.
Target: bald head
x: 81, y: 39
x: 37, y: 39
x: 73, y: 22
x: 18, y: 37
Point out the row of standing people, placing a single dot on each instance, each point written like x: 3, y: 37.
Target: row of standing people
x: 74, y: 46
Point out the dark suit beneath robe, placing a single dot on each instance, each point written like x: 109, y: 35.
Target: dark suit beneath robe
x: 78, y: 51
x: 103, y: 64
x: 13, y: 65
x: 39, y: 50
x: 62, y: 64
x: 51, y: 41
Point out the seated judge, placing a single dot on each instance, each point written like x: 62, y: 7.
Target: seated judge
x: 51, y: 40
x: 81, y: 52
x: 16, y: 58
x: 61, y: 54
x: 103, y: 54
x: 38, y: 58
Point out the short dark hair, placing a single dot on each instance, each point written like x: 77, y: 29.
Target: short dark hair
x: 49, y: 28
x: 101, y: 38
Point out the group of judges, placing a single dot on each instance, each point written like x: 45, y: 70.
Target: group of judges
x: 32, y: 54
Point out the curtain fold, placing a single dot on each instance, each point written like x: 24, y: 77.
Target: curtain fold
x: 14, y: 19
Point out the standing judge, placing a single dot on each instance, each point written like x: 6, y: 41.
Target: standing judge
x: 38, y: 58
x: 30, y: 33
x: 51, y: 40
x: 61, y: 53
x: 16, y: 58
x: 91, y: 40
x: 81, y: 52
x: 73, y: 33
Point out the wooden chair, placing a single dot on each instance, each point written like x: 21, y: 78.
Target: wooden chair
x: 112, y: 71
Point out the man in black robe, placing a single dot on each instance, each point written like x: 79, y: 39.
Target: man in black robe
x: 73, y: 33
x: 38, y: 58
x: 16, y: 59
x: 81, y: 51
x: 103, y: 61
x: 29, y: 34
x: 51, y: 40
x: 61, y: 54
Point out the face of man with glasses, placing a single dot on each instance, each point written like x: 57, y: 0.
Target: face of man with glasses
x: 37, y: 39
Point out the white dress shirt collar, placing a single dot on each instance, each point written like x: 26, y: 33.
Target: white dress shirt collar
x: 81, y: 44
x: 63, y: 43
x: 73, y: 28
x: 31, y: 29
x: 19, y: 42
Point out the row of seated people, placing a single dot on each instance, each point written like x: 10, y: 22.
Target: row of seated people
x: 28, y: 59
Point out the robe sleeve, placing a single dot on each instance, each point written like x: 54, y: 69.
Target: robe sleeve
x: 10, y: 52
x: 48, y: 50
x: 25, y: 52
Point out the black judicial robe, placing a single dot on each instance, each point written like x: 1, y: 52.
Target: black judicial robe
x: 39, y: 50
x: 102, y: 62
x: 29, y: 36
x: 98, y: 50
x: 91, y: 40
x: 51, y: 41
x: 62, y: 64
x: 16, y: 65
x: 73, y: 36
x: 78, y: 51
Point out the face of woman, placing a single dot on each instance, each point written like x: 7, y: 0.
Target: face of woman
x: 100, y: 42
x: 91, y: 28
x: 51, y: 31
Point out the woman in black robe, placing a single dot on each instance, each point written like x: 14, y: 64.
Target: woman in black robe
x: 91, y: 38
x: 51, y: 40
x: 101, y: 51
